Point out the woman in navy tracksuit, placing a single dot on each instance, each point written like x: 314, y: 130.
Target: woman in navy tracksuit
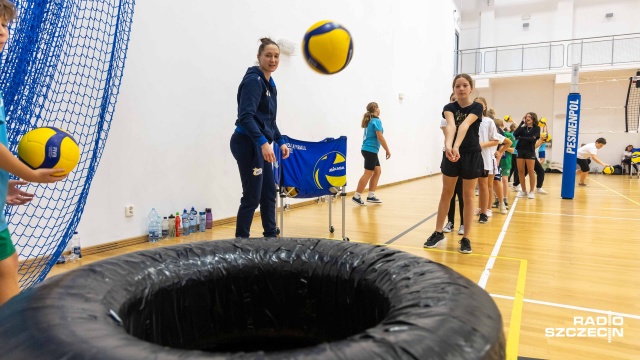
x: 251, y: 142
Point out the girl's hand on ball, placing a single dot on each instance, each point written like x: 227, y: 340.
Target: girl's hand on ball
x: 48, y: 175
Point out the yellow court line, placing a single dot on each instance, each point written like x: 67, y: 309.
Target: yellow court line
x: 513, y: 338
x: 610, y: 189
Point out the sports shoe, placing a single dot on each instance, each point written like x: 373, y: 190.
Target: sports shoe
x: 541, y: 191
x: 434, y: 240
x: 489, y: 212
x: 483, y: 219
x: 374, y: 199
x: 496, y: 203
x: 506, y: 204
x: 465, y: 246
x: 503, y: 209
x: 582, y: 184
x: 358, y: 201
x: 521, y: 194
x: 461, y: 230
x: 531, y: 195
x: 516, y: 188
x: 476, y: 211
x: 447, y: 228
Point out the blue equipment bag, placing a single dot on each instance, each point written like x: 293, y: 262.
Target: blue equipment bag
x: 313, y: 169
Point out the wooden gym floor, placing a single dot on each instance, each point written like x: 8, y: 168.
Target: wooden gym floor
x: 562, y: 272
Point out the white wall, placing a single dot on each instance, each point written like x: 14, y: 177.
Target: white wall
x: 169, y: 142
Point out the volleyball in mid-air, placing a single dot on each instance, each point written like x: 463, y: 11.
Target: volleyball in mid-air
x: 547, y: 135
x: 49, y: 148
x: 327, y: 47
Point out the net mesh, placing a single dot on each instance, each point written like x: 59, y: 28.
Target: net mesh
x: 61, y: 67
x: 632, y: 107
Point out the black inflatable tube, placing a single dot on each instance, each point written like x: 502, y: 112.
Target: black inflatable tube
x: 276, y: 298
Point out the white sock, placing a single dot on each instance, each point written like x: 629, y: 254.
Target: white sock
x: 357, y: 195
x: 372, y: 194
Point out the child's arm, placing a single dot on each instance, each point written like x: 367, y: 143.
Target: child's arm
x: 595, y: 158
x: 16, y: 196
x: 462, y: 129
x: 449, y: 133
x: 383, y: 142
x: 489, y: 143
x: 14, y: 166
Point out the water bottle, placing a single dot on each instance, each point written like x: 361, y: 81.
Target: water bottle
x: 165, y: 228
x: 209, y: 218
x: 172, y: 226
x: 155, y: 228
x: 185, y: 223
x: 75, y: 248
x: 193, y: 221
x: 203, y: 221
x: 178, y: 225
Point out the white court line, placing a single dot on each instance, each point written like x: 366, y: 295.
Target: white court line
x: 606, y: 312
x: 585, y: 216
x: 496, y: 248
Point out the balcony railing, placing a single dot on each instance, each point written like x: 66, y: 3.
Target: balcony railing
x: 604, y: 50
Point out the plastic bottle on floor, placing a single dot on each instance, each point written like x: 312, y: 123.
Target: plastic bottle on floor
x: 209, y: 218
x: 185, y: 223
x: 203, y: 221
x: 154, y: 226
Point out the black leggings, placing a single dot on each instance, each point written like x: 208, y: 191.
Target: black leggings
x: 452, y: 204
x: 539, y: 175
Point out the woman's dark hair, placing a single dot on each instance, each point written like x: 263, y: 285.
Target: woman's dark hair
x: 264, y: 42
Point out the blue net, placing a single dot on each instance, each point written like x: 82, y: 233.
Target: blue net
x: 61, y: 67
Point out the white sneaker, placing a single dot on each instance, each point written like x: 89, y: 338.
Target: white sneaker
x: 503, y: 208
x: 447, y: 228
x: 489, y: 212
x: 521, y: 194
x: 461, y: 230
x: 476, y: 211
x: 516, y: 188
x: 541, y: 191
x: 532, y: 195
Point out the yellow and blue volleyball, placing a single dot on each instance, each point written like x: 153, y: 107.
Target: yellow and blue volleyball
x: 608, y: 170
x: 330, y: 170
x: 49, y: 148
x: 542, y: 135
x: 327, y: 47
x: 635, y: 157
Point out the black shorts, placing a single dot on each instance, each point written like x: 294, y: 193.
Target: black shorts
x: 526, y: 154
x: 470, y: 166
x: 584, y: 165
x: 370, y: 160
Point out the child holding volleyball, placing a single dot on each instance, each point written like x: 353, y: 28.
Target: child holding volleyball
x: 251, y: 142
x: 9, y: 193
x: 371, y: 141
x: 462, y: 158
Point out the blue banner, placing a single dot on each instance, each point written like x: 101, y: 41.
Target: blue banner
x: 313, y: 168
x: 571, y: 146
